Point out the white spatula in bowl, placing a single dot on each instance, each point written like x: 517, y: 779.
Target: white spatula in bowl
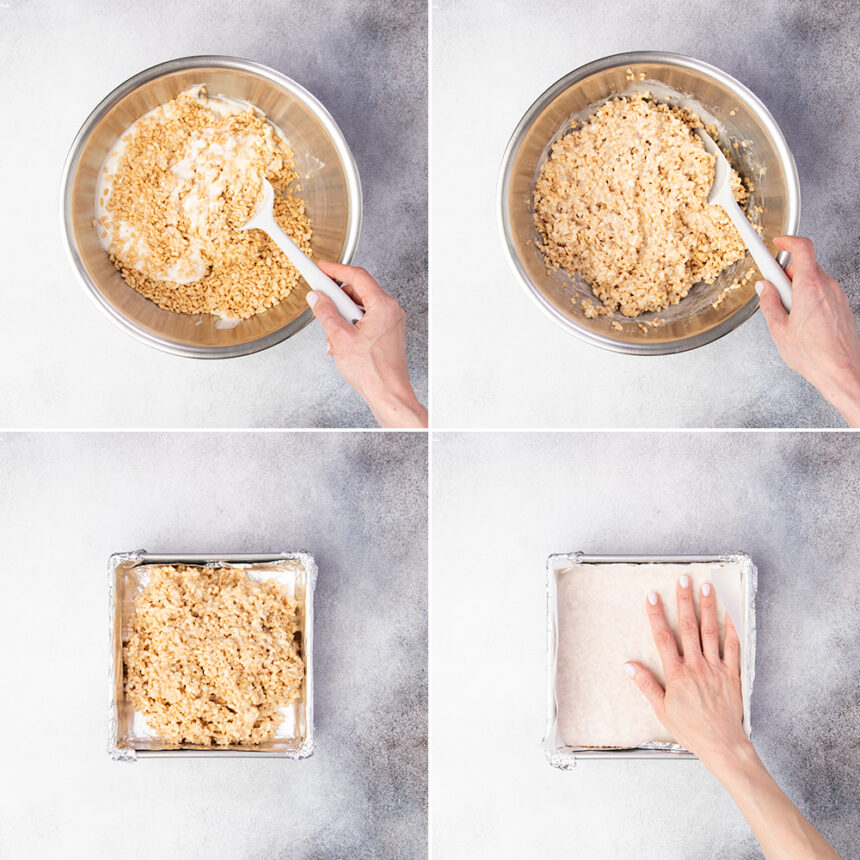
x: 263, y: 219
x: 721, y: 195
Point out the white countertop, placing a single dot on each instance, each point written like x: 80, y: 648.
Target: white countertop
x: 356, y: 501
x: 62, y: 364
x: 501, y: 503
x: 497, y: 360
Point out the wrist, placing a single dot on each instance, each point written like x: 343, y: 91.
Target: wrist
x: 844, y: 394
x: 396, y: 407
x: 731, y: 764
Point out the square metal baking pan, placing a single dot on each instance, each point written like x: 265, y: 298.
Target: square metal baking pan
x: 565, y: 757
x: 130, y: 738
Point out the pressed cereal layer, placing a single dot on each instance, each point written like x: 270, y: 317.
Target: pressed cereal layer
x: 212, y: 655
x: 176, y: 191
x: 622, y: 201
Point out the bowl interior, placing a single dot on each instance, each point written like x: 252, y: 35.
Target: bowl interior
x: 737, y: 117
x: 325, y: 187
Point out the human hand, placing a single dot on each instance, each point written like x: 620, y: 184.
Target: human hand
x: 702, y: 709
x: 370, y: 355
x: 818, y: 339
x: 701, y: 706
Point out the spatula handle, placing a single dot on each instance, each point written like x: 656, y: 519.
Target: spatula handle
x: 317, y: 280
x: 766, y: 262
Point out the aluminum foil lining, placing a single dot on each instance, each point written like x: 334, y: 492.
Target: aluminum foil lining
x: 564, y: 757
x: 130, y: 738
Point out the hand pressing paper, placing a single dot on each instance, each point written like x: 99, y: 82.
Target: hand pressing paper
x: 602, y: 624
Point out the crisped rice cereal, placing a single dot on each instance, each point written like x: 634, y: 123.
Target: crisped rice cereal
x: 174, y: 193
x: 622, y: 201
x: 212, y: 655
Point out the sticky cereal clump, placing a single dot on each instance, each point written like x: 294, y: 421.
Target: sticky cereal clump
x: 212, y: 655
x: 622, y: 201
x: 187, y: 177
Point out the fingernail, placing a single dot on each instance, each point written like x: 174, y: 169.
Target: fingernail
x: 759, y: 286
x: 312, y: 298
x: 706, y: 588
x: 685, y: 581
x: 652, y: 598
x: 630, y: 669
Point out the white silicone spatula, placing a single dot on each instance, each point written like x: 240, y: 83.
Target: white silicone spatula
x: 317, y: 280
x: 721, y: 195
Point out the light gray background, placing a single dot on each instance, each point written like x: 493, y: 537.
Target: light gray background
x: 497, y: 360
x: 501, y: 503
x: 357, y: 501
x: 62, y: 363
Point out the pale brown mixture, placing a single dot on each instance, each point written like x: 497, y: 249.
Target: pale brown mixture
x: 212, y: 655
x: 622, y: 201
x: 174, y: 194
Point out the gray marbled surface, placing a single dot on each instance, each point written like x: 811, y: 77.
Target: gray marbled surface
x: 64, y: 365
x: 497, y: 361
x: 356, y: 501
x: 503, y: 502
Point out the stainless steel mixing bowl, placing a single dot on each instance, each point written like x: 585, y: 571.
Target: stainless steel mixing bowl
x: 329, y: 186
x: 718, y: 98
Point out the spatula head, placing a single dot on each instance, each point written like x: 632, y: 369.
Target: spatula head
x: 263, y: 212
x: 722, y: 171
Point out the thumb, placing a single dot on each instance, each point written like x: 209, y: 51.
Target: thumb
x: 775, y: 315
x: 326, y: 313
x: 648, y: 686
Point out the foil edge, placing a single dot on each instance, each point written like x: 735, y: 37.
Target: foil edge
x: 308, y: 562
x: 750, y: 589
x: 114, y: 562
x: 565, y: 758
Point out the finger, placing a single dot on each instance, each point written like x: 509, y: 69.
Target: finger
x: 732, y: 647
x: 362, y: 283
x: 803, y: 263
x: 710, y: 630
x: 350, y: 291
x: 688, y: 624
x: 775, y: 315
x: 334, y: 325
x: 648, y: 686
x: 664, y: 639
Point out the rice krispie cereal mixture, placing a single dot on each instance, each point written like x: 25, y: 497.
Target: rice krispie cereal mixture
x: 176, y: 189
x: 622, y: 201
x: 212, y: 655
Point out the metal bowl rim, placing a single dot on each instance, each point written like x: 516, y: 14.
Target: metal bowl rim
x: 217, y: 61
x: 786, y: 158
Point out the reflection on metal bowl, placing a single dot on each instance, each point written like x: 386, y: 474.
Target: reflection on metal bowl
x: 739, y: 116
x: 328, y: 176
